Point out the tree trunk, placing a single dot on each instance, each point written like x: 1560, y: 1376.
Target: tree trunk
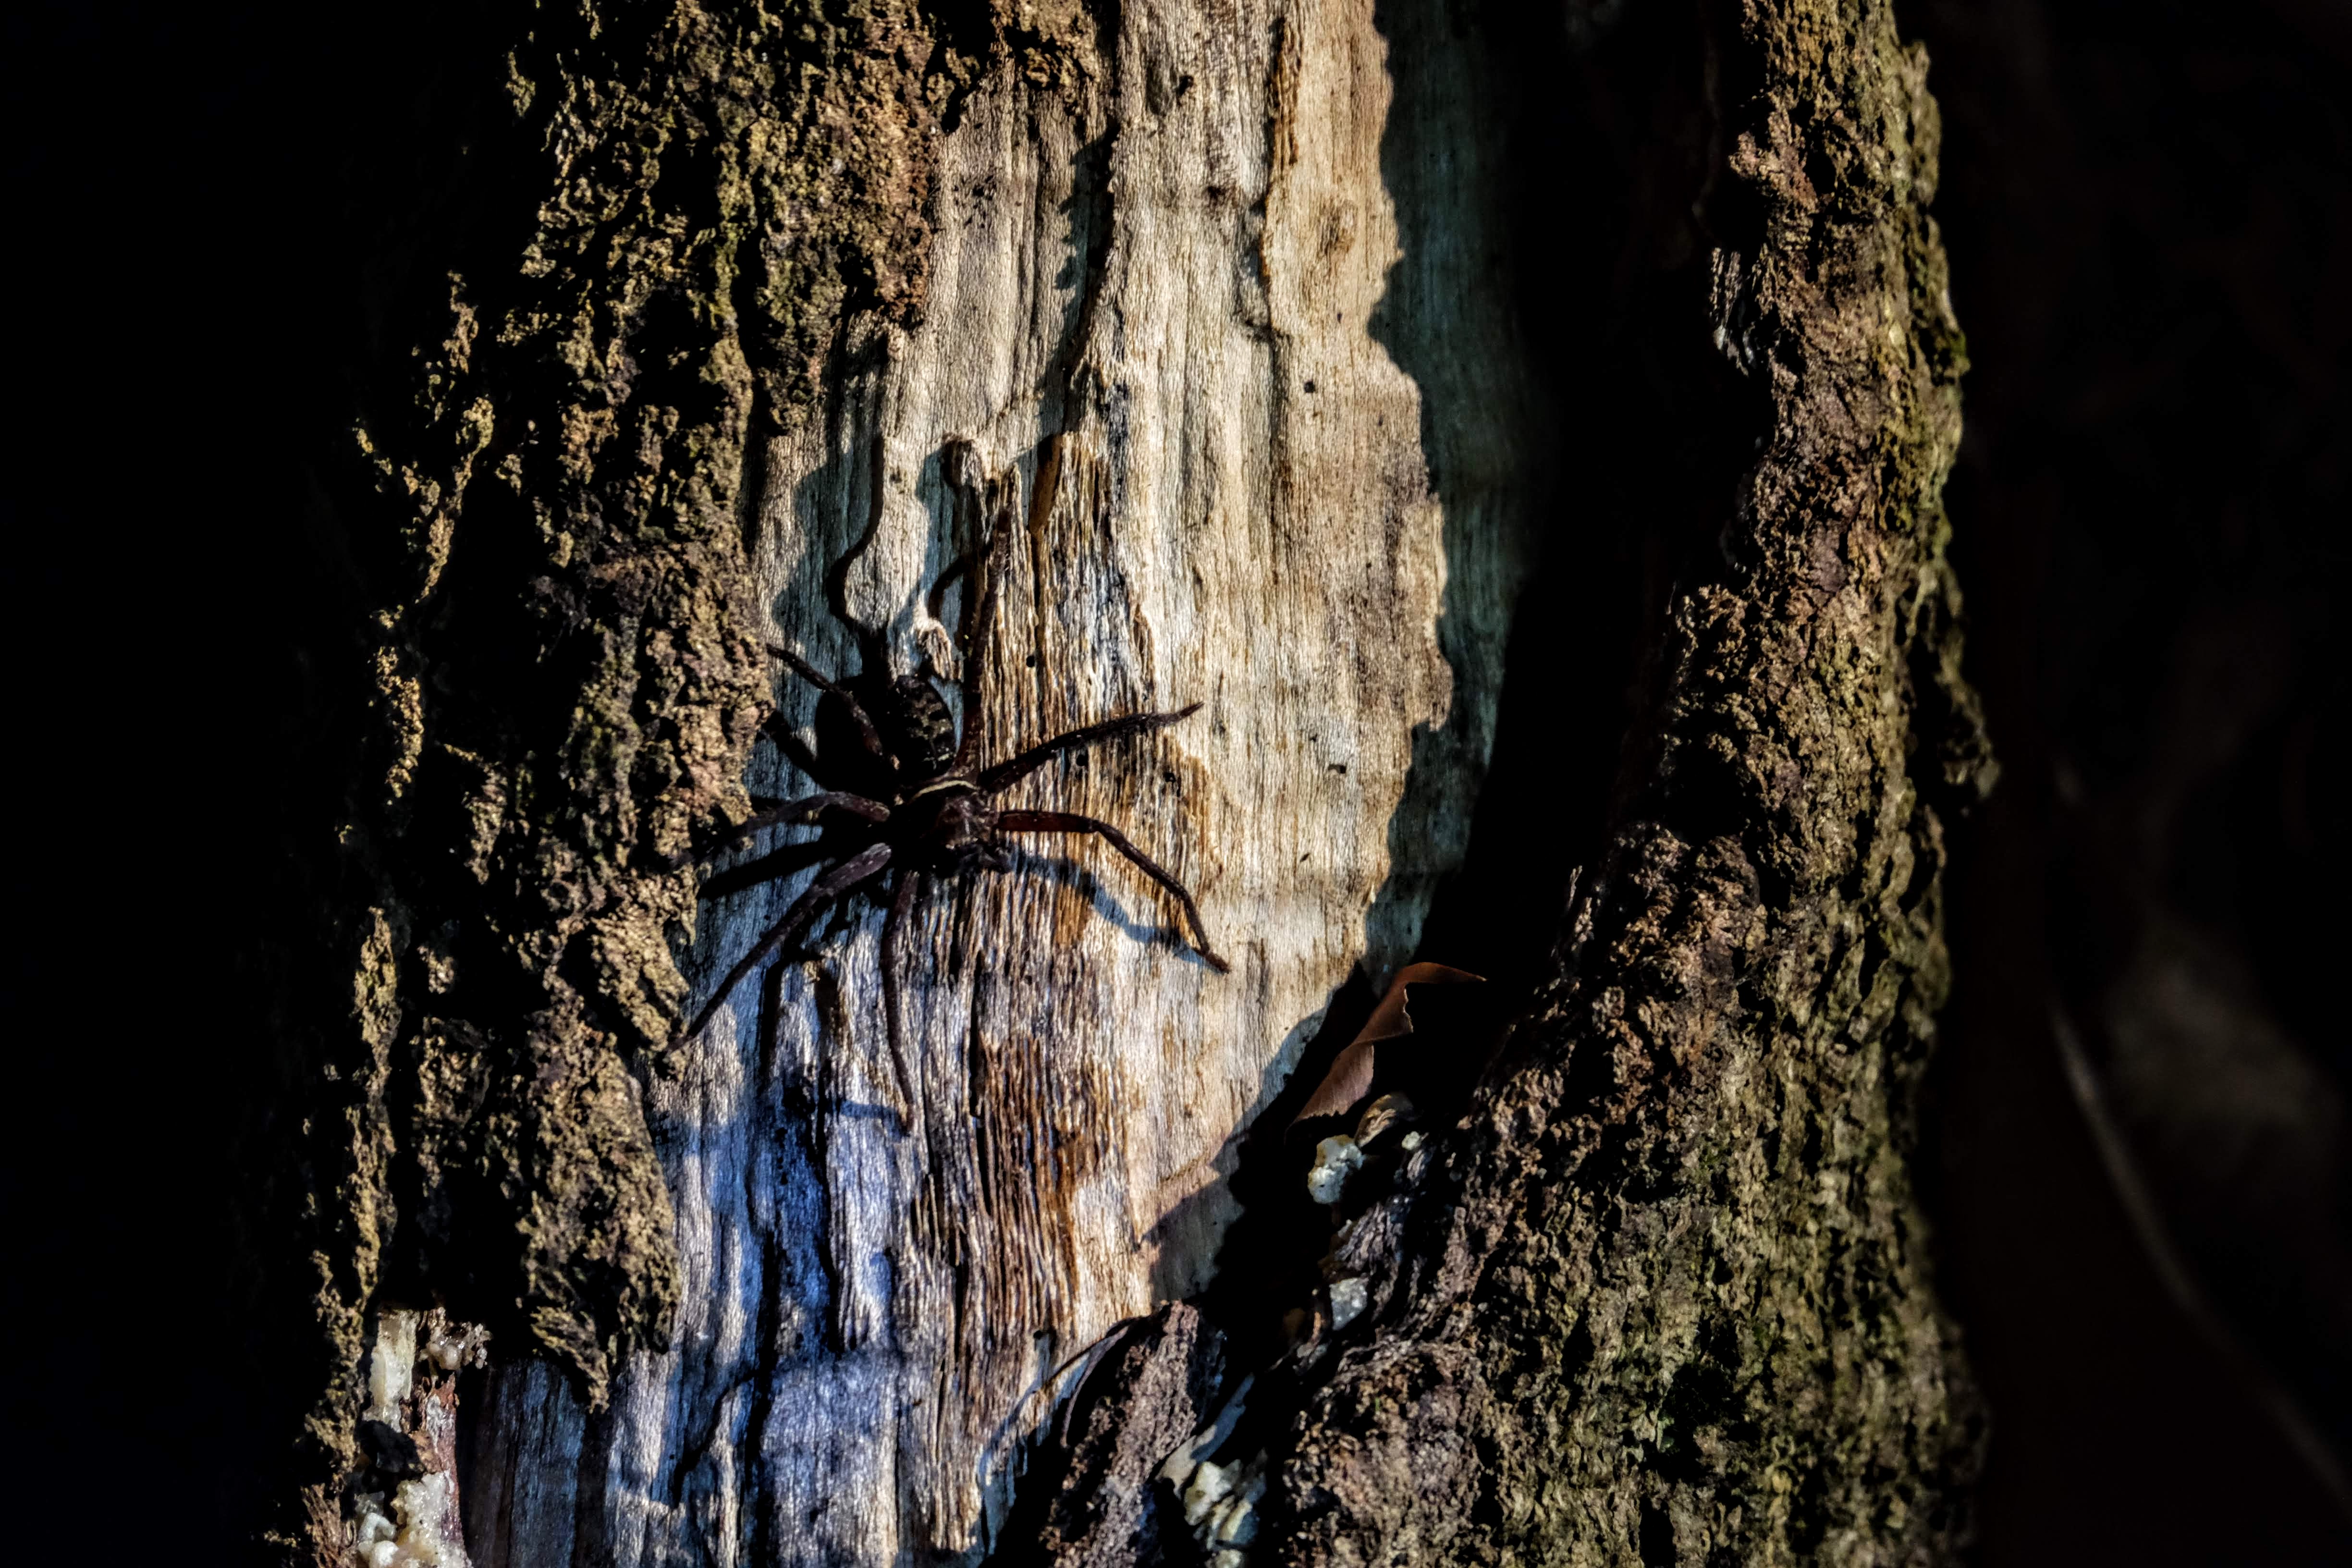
x: 1287, y: 341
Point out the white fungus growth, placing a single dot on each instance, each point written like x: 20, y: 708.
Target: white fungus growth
x: 1178, y: 1470
x: 454, y: 1345
x: 423, y: 1507
x: 1234, y: 1522
x: 1222, y: 1512
x: 1335, y: 1158
x: 1209, y: 1483
x: 417, y: 1526
x: 391, y: 1367
x: 1347, y: 1300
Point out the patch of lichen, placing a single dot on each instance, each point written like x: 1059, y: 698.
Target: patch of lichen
x: 629, y: 258
x: 1680, y: 1242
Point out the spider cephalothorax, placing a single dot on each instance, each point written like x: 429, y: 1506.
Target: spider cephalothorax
x: 906, y: 797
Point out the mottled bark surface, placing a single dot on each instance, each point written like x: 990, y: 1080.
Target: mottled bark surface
x: 1669, y: 1279
x: 619, y: 259
x: 668, y: 301
x: 682, y: 309
x: 1176, y: 275
x: 1662, y: 1296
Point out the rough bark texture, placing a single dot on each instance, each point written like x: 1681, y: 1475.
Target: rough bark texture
x: 692, y: 321
x: 1662, y: 1296
x: 1156, y: 1382
x: 1175, y: 272
x: 623, y: 258
x: 684, y: 306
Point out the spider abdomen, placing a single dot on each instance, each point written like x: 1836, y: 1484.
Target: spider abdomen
x: 918, y: 728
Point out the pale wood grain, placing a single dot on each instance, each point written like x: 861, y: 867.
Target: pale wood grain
x: 1176, y: 272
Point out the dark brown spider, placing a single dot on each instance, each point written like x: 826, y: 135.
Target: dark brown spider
x: 912, y: 800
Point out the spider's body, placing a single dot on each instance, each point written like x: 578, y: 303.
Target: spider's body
x: 905, y: 798
x: 952, y: 828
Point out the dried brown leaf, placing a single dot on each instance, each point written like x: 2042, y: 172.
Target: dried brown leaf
x: 1350, y: 1078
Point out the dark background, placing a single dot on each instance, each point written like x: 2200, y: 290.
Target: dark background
x: 2149, y: 213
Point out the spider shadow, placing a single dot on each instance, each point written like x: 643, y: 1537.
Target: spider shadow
x: 1066, y: 870
x: 844, y: 507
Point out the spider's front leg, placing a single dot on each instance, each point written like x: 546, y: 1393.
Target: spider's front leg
x: 1071, y: 822
x: 1005, y: 775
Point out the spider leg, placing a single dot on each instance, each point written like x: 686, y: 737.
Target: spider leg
x: 866, y: 864
x: 1004, y: 774
x: 866, y: 732
x: 805, y: 809
x: 900, y: 902
x: 777, y: 863
x: 1070, y: 822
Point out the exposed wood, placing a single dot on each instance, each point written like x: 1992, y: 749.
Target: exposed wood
x: 1171, y: 273
x: 1215, y: 309
x: 1662, y: 1295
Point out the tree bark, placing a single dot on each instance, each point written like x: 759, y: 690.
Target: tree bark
x: 1662, y: 1295
x: 717, y: 324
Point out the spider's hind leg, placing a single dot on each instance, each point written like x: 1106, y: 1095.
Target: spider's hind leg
x: 773, y: 813
x: 860, y: 867
x: 769, y: 867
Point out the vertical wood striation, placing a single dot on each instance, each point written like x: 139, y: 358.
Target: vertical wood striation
x: 703, y: 328
x: 1166, y: 272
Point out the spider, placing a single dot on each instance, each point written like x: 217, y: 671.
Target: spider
x: 913, y: 801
